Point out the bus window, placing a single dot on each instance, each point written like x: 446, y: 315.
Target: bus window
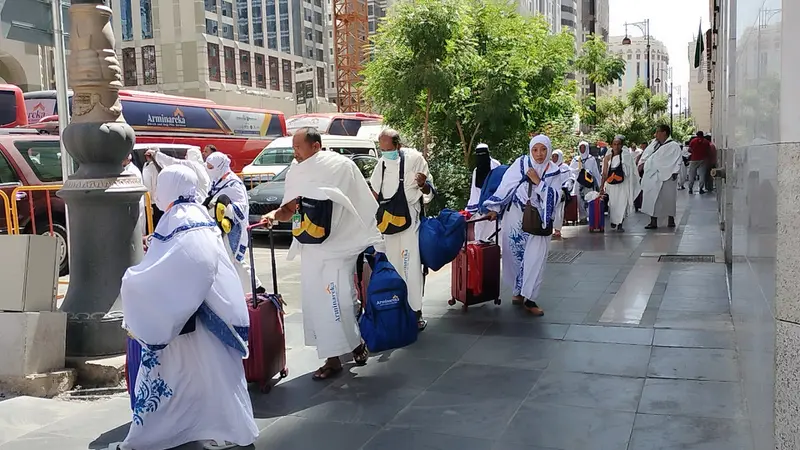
x: 8, y: 108
x: 345, y: 127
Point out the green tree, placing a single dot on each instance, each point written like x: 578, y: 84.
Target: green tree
x: 600, y: 68
x: 491, y: 76
x: 635, y: 116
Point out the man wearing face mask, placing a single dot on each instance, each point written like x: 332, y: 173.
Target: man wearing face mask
x: 227, y: 204
x: 402, y: 184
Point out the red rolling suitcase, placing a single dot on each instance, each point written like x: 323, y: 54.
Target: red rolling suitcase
x: 597, y: 215
x: 571, y: 211
x: 476, y: 272
x: 267, y: 339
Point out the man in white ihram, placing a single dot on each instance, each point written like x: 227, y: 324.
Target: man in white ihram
x: 584, y: 160
x: 332, y: 212
x: 183, y: 303
x: 228, y: 205
x: 399, y: 210
x: 660, y: 166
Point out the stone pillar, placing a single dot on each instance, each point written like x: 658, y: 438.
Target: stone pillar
x: 105, y: 237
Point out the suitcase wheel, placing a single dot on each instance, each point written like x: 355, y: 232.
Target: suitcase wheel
x: 497, y: 301
x: 451, y: 302
x: 284, y: 373
x: 465, y: 308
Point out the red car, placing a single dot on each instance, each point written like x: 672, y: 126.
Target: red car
x: 30, y: 159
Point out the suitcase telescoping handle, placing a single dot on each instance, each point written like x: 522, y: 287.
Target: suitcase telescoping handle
x: 253, y: 262
x: 496, y: 234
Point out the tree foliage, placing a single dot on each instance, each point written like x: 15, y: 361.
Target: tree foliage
x: 453, y: 73
x: 636, y: 116
x: 597, y: 64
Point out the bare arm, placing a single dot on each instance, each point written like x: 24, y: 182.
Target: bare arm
x: 285, y: 212
x: 604, y: 172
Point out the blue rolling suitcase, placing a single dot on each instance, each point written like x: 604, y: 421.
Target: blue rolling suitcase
x: 597, y: 215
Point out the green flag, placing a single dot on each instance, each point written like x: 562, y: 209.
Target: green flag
x: 699, y: 47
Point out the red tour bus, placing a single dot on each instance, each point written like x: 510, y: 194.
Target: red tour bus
x: 239, y: 132
x: 340, y: 124
x: 12, y: 114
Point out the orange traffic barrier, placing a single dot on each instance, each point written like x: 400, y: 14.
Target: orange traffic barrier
x: 7, y: 211
x: 254, y: 179
x: 148, y: 212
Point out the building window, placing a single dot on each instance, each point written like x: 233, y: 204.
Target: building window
x: 308, y: 15
x: 638, y: 70
x: 317, y: 18
x: 261, y: 72
x: 320, y: 81
x: 230, y: 64
x: 213, y: 62
x: 320, y: 55
x: 274, y: 80
x: 212, y: 27
x: 149, y: 64
x: 147, y: 20
x: 638, y: 55
x: 308, y: 33
x: 272, y: 26
x: 283, y: 9
x: 227, y: 9
x: 619, y: 82
x: 258, y: 24
x: 210, y: 5
x: 244, y: 67
x: 126, y: 17
x: 243, y: 21
x: 129, y: 66
x: 318, y: 36
x: 227, y: 31
x: 287, y: 75
x: 371, y: 26
x: 630, y: 57
x: 370, y: 10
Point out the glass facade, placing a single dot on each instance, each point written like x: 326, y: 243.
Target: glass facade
x: 261, y: 71
x: 286, y: 43
x: 210, y: 5
x: 245, y: 67
x: 272, y: 25
x: 243, y: 21
x: 230, y: 65
x: 212, y: 27
x: 126, y: 17
x: 274, y: 80
x: 258, y: 23
x: 146, y: 9
x: 213, y: 62
x: 227, y: 31
x: 129, y: 66
x: 149, y: 64
x: 287, y: 75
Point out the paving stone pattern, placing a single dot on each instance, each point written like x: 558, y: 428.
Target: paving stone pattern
x: 496, y: 378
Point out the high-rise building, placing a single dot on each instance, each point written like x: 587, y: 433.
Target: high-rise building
x: 593, y: 18
x: 242, y: 52
x: 635, y: 56
x: 699, y: 95
x: 549, y: 9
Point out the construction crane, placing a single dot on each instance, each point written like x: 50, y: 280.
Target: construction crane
x: 350, y: 35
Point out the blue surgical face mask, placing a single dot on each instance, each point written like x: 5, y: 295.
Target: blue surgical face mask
x: 391, y: 155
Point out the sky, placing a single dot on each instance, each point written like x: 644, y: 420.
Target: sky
x: 673, y: 22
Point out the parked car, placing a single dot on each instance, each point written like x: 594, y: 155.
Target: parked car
x: 267, y: 197
x: 279, y: 154
x: 30, y: 159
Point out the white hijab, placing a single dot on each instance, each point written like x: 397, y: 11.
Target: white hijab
x: 220, y: 165
x: 583, y: 155
x: 185, y: 271
x: 559, y: 157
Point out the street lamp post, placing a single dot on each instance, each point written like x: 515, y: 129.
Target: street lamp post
x: 645, y: 28
x: 671, y: 98
x: 105, y: 234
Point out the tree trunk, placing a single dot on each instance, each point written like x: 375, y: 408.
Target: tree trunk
x: 466, y: 147
x: 425, y: 134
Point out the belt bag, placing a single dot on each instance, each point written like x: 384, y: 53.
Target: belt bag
x: 616, y: 175
x: 315, y: 221
x: 393, y: 215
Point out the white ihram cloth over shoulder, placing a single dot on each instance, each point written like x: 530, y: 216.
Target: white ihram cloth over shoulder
x: 622, y: 195
x: 194, y: 161
x: 327, y: 269
x: 524, y: 255
x: 189, y: 387
x: 402, y: 249
x: 659, y: 190
x: 483, y: 230
x: 569, y: 180
x: 131, y: 169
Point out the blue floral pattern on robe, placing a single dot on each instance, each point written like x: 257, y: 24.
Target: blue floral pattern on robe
x: 151, y: 389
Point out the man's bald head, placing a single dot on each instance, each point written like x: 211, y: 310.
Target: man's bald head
x: 306, y: 142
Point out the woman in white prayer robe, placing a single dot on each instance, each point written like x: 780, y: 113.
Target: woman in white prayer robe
x: 532, y: 176
x: 328, y: 268
x: 484, y: 164
x: 584, y: 160
x: 660, y: 165
x: 236, y: 214
x: 568, y: 186
x: 184, y: 304
x: 621, y: 195
x: 194, y: 161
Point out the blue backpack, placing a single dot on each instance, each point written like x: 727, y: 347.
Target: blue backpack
x: 441, y: 238
x: 388, y: 321
x: 490, y: 185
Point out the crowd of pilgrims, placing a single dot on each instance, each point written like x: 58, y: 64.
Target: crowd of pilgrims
x: 194, y: 383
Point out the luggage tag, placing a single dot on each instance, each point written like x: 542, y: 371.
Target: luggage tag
x: 296, y: 218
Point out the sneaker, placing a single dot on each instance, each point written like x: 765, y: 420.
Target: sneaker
x: 533, y: 308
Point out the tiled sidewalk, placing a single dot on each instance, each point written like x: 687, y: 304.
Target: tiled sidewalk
x: 632, y: 354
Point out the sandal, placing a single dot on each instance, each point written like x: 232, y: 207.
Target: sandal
x: 218, y: 445
x: 533, y: 308
x: 327, y: 370
x: 361, y: 355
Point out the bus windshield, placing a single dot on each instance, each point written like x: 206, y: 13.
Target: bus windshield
x: 8, y: 108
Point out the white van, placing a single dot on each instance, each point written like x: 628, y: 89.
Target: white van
x: 279, y: 154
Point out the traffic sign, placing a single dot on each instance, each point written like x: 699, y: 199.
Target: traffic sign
x: 30, y: 21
